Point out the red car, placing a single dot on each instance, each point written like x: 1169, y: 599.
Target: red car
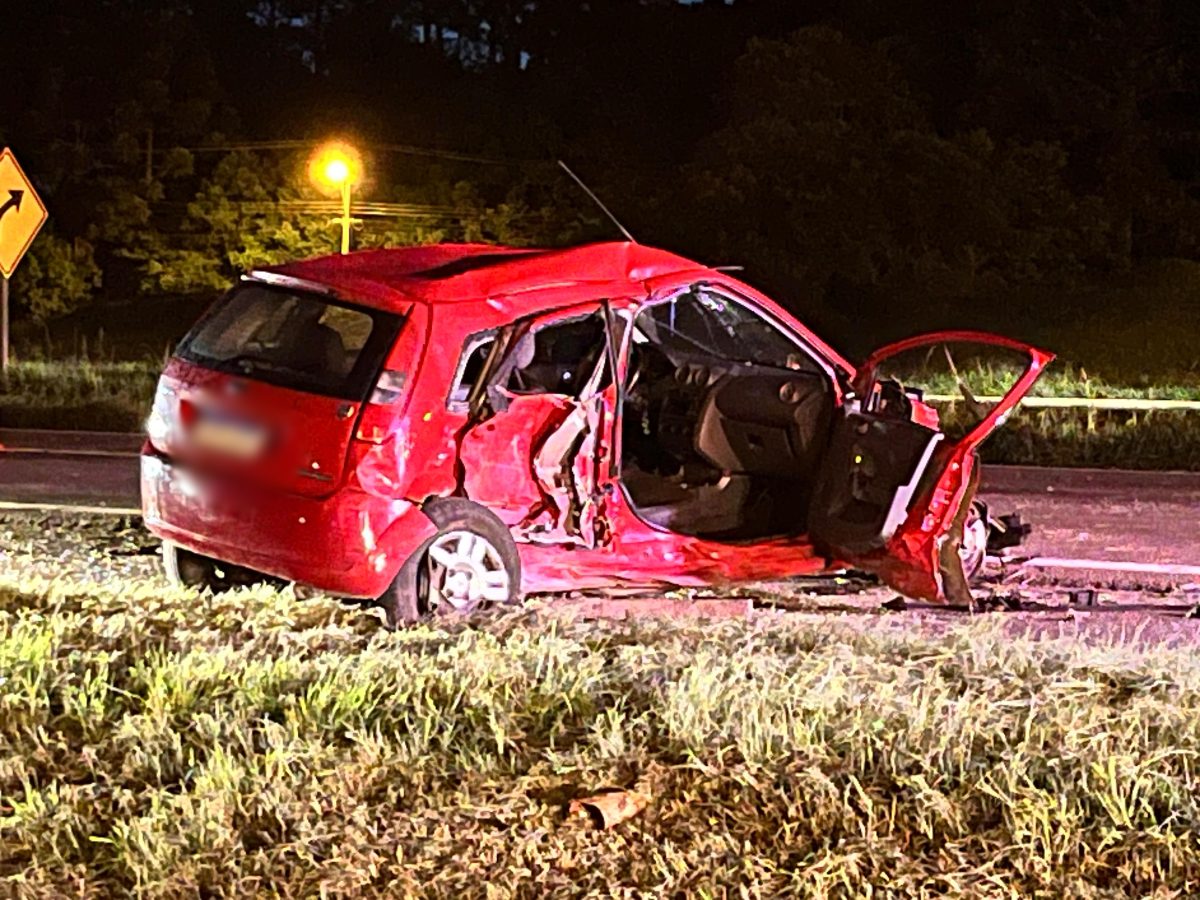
x: 447, y: 426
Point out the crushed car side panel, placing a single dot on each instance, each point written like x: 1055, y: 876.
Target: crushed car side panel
x: 544, y: 410
x: 498, y: 456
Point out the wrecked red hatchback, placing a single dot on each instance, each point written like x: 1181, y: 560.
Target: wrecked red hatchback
x: 449, y: 426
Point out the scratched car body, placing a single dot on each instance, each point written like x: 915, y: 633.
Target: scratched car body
x: 454, y: 425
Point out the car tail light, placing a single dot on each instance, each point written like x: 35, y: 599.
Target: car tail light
x: 377, y: 418
x: 158, y: 424
x: 157, y: 428
x: 389, y: 388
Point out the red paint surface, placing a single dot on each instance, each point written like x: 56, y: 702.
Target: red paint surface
x: 351, y: 529
x: 497, y: 456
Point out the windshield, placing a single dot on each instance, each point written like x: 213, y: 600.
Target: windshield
x: 293, y: 339
x: 710, y: 323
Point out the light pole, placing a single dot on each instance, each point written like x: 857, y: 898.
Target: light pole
x: 338, y: 166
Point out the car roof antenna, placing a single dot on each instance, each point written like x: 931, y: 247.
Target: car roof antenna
x: 608, y: 212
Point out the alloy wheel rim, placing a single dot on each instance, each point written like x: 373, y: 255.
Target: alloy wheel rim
x: 463, y: 571
x: 973, y: 546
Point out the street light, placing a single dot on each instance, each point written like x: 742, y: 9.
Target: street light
x: 337, y: 166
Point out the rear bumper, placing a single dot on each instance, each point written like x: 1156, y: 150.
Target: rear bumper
x: 351, y: 543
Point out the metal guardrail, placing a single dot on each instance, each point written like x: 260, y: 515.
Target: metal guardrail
x: 1129, y: 404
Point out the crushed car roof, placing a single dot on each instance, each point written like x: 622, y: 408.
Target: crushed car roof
x: 448, y: 273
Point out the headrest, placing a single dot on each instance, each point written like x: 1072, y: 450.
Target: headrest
x: 524, y: 351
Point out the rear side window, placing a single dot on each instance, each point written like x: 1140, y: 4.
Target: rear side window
x: 470, y: 366
x: 293, y: 339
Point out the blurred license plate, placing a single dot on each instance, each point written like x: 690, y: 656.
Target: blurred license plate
x: 240, y: 439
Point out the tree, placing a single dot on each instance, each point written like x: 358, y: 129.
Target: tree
x: 238, y: 219
x: 257, y: 209
x: 831, y: 175
x: 1105, y: 81
x: 56, y: 277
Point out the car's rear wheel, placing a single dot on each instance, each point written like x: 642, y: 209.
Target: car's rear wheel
x: 471, y: 562
x: 187, y: 569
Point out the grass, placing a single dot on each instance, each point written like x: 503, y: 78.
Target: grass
x: 1156, y: 439
x: 1059, y: 380
x: 78, y: 395
x: 160, y: 743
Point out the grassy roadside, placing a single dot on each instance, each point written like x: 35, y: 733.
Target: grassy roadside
x: 78, y: 396
x: 1157, y: 439
x: 116, y: 397
x: 160, y: 743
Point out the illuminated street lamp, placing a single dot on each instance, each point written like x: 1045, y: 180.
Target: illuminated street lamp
x: 337, y: 166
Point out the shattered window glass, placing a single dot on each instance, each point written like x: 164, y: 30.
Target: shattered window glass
x: 708, y: 322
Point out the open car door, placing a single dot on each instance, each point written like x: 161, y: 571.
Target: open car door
x: 893, y: 489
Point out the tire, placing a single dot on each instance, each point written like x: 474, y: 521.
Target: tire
x: 471, y: 562
x: 973, y: 547
x: 184, y: 568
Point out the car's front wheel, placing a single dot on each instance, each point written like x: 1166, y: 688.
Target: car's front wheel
x: 470, y: 563
x: 972, y: 550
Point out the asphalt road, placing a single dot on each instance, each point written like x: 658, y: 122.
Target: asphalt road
x: 69, y: 467
x: 90, y: 480
x: 1102, y: 514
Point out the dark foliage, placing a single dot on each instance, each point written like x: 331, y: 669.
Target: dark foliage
x: 881, y: 165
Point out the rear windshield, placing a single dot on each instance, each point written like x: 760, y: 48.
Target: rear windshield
x: 293, y: 339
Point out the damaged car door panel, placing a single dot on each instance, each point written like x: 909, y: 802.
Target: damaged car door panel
x: 930, y: 481
x: 535, y: 458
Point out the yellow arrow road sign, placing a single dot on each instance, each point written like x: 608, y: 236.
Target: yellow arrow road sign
x: 22, y: 213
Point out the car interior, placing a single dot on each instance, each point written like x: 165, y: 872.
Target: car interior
x: 728, y: 425
x: 726, y: 421
x: 286, y: 333
x: 559, y: 358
